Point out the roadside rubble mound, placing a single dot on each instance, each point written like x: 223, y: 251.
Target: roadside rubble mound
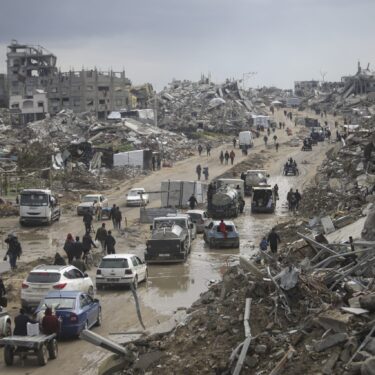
x: 285, y: 315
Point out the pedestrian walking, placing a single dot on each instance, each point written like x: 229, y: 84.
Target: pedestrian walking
x: 298, y: 198
x: 198, y: 171
x: 68, y: 247
x: 205, y: 173
x: 200, y: 149
x: 110, y: 243
x: 276, y: 191
x: 87, y: 219
x: 101, y: 235
x: 98, y: 210
x: 232, y: 156
x: 87, y: 243
x: 118, y: 218
x: 14, y: 251
x: 273, y: 240
x: 234, y: 142
x: 112, y: 215
x: 226, y: 157
x: 153, y: 162
x: 274, y: 139
x: 263, y: 244
x: 268, y: 131
x: 77, y: 249
x: 208, y: 149
x: 277, y: 146
x: 192, y: 202
x: 289, y: 198
x: 265, y: 139
x: 221, y: 157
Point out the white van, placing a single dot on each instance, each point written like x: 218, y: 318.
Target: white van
x: 246, y: 139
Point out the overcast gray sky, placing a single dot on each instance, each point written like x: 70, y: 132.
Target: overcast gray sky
x: 157, y: 40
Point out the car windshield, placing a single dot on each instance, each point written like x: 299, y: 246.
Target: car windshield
x: 135, y: 193
x: 170, y: 222
x: 195, y: 216
x: 34, y: 199
x: 60, y: 303
x: 89, y: 199
x: 114, y: 263
x: 43, y: 277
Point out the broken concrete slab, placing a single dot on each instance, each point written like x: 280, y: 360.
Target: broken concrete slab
x: 334, y: 320
x: 330, y: 341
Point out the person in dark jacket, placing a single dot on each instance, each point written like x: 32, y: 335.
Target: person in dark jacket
x: 77, y: 249
x: 192, y: 202
x: 198, y: 170
x: 87, y: 242
x: 50, y: 323
x: 226, y: 157
x: 273, y: 239
x: 101, y: 235
x: 59, y: 260
x: 118, y: 218
x: 298, y: 198
x: 3, y: 291
x: 112, y: 215
x: 20, y: 323
x: 68, y: 247
x: 87, y: 219
x: 14, y: 250
x: 110, y: 243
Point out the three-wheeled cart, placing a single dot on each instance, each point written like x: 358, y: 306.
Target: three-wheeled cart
x: 44, y: 347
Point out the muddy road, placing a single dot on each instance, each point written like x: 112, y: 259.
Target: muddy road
x: 169, y: 287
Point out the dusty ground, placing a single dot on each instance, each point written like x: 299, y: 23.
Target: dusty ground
x: 170, y: 287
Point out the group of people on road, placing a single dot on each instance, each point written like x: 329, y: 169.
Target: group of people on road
x: 208, y: 149
x: 226, y: 156
x: 293, y: 198
x: 199, y: 171
x: 272, y: 240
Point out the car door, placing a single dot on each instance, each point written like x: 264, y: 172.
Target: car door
x: 142, y: 268
x: 91, y: 310
x: 136, y: 267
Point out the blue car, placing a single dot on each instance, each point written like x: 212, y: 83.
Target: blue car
x: 214, y: 237
x: 76, y: 311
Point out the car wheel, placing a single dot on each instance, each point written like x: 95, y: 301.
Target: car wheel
x: 90, y: 291
x: 8, y: 355
x: 211, y: 243
x: 135, y: 282
x: 99, y: 318
x: 43, y: 355
x: 52, y: 349
x: 237, y: 245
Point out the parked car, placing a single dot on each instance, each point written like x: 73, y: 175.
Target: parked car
x: 137, y: 197
x: 87, y: 203
x: 5, y: 323
x: 199, y: 218
x: 45, y: 278
x: 215, y: 238
x: 76, y: 311
x: 120, y: 269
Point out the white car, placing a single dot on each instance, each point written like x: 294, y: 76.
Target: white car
x: 5, y: 323
x: 120, y: 269
x: 44, y: 278
x: 199, y: 218
x: 137, y: 197
x: 87, y: 203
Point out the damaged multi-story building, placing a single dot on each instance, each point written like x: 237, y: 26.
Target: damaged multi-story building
x: 363, y: 82
x: 305, y: 88
x: 37, y: 87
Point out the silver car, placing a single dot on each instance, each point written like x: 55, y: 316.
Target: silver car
x: 199, y: 218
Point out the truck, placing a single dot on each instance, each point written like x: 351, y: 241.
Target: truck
x: 245, y: 140
x: 168, y: 243
x: 223, y: 201
x: 255, y: 178
x: 38, y: 206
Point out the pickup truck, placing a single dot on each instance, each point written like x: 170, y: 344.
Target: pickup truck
x: 87, y: 203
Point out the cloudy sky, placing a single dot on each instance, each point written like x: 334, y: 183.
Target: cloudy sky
x: 157, y: 40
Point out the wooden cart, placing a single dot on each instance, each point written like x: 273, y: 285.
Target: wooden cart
x: 44, y: 347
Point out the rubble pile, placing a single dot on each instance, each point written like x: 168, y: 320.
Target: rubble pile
x: 346, y: 178
x: 304, y: 317
x: 204, y: 105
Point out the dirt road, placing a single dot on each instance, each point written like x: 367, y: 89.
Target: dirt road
x: 169, y: 287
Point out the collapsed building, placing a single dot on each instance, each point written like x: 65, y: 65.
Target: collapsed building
x: 363, y: 82
x: 37, y: 87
